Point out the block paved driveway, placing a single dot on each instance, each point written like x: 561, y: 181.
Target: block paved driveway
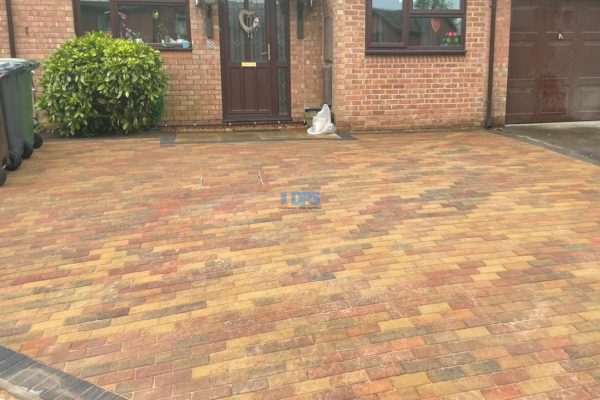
x: 460, y: 265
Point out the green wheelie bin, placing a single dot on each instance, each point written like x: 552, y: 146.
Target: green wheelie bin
x: 25, y: 83
x: 10, y: 101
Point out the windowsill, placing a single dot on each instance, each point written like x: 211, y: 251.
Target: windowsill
x: 456, y: 52
x: 162, y: 48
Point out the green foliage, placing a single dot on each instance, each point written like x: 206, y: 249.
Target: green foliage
x: 156, y: 112
x: 96, y: 84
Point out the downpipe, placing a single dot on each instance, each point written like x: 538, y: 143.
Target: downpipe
x: 11, y: 29
x: 490, y: 88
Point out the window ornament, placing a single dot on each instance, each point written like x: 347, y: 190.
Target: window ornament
x: 249, y: 22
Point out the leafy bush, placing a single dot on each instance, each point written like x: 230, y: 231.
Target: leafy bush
x: 96, y: 84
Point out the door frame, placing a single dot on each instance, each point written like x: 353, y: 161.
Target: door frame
x: 252, y: 117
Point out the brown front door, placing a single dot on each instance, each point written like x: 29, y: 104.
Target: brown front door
x: 554, y: 63
x: 255, y: 60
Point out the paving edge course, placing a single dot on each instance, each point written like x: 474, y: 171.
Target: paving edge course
x: 29, y: 379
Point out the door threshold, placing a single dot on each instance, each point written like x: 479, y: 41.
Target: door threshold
x: 251, y: 122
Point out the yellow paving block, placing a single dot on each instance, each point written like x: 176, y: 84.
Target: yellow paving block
x: 311, y: 386
x: 434, y: 308
x: 538, y: 386
x: 410, y: 380
x: 470, y: 333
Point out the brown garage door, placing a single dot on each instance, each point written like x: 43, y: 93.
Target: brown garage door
x: 554, y: 64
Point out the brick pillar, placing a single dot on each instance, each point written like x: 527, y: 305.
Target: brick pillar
x: 501, y: 62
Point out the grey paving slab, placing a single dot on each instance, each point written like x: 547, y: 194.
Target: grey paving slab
x: 580, y: 140
x: 29, y: 379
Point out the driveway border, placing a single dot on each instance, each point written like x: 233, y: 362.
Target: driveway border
x: 557, y: 149
x: 29, y: 379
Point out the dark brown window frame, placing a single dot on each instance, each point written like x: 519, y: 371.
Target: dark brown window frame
x: 403, y: 47
x: 114, y: 20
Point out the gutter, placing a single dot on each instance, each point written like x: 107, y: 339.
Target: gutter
x: 11, y: 29
x: 490, y: 88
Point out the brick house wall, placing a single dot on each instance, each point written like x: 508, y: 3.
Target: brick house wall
x: 306, y: 59
x: 4, y: 44
x: 503, y: 13
x: 370, y: 92
x: 41, y: 27
x: 401, y: 91
x: 194, y: 95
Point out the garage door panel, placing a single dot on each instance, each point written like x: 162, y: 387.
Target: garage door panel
x: 588, y: 20
x: 523, y: 15
x: 588, y: 97
x: 524, y: 65
x: 562, y: 17
x: 557, y: 59
x: 521, y: 100
x: 554, y: 61
x: 554, y: 95
x: 589, y: 66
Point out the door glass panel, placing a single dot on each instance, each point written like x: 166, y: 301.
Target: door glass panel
x: 249, y: 44
x: 282, y: 28
x: 282, y: 90
x: 95, y: 16
x: 258, y: 38
x: 237, y: 36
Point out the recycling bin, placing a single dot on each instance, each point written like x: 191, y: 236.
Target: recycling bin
x: 25, y: 83
x: 9, y: 103
x: 4, y: 155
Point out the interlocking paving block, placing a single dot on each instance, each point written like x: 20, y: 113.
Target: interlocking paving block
x: 32, y: 380
x: 440, y: 265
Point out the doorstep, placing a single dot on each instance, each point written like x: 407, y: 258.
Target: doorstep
x: 250, y: 136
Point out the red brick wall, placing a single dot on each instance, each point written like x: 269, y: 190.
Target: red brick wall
x: 306, y: 59
x: 371, y: 92
x: 41, y: 26
x: 387, y: 92
x: 4, y: 44
x: 194, y: 96
x: 195, y: 90
x: 501, y: 62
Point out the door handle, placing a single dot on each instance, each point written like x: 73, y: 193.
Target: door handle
x: 268, y: 52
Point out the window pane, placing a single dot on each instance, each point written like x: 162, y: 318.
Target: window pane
x: 387, y: 21
x: 95, y: 16
x: 282, y: 91
x: 282, y: 28
x: 436, y: 32
x: 436, y: 4
x: 164, y: 25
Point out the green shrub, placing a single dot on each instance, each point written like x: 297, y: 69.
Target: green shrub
x: 96, y: 84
